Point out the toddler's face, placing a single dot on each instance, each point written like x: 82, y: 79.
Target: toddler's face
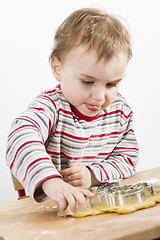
x: 89, y: 85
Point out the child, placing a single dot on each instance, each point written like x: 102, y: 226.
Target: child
x: 78, y: 134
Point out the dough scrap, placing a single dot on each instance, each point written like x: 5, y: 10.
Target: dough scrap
x: 128, y: 208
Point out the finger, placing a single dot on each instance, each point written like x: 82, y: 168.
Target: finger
x: 80, y: 199
x: 71, y: 201
x: 69, y: 171
x: 61, y: 202
x: 73, y: 177
x: 75, y: 183
x: 87, y: 193
x: 64, y: 172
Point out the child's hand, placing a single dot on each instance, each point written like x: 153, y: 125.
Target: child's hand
x: 78, y: 175
x: 64, y: 194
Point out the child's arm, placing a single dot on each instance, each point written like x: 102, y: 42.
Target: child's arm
x: 26, y: 154
x: 122, y: 161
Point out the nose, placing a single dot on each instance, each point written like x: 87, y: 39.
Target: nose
x: 98, y: 94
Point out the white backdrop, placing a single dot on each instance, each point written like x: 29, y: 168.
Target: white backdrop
x: 26, y: 36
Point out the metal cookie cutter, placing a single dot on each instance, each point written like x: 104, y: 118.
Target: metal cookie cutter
x: 148, y: 189
x: 111, y: 194
x: 103, y: 195
x: 100, y: 198
x: 107, y: 186
x: 128, y: 194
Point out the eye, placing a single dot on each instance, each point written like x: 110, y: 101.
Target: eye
x: 86, y: 82
x: 110, y: 85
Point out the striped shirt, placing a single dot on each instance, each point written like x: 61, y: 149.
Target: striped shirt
x: 51, y: 133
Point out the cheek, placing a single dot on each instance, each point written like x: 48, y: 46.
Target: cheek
x: 73, y: 95
x: 78, y: 96
x: 112, y: 96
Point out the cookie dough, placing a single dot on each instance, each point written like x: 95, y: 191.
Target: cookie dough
x: 128, y: 208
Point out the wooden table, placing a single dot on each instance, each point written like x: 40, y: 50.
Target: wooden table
x: 26, y: 219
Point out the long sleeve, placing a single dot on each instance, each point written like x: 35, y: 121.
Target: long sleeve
x: 121, y: 162
x: 26, y: 153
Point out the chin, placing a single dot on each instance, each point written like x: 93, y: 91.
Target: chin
x: 88, y: 114
x: 91, y: 114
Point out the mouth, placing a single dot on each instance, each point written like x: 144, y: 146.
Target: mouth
x: 93, y: 108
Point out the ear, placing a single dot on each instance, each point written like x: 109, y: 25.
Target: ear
x: 56, y: 68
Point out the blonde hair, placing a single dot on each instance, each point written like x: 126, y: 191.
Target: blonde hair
x: 93, y: 29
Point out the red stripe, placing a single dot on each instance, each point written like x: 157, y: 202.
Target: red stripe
x: 53, y: 90
x: 104, y: 171
x: 23, y: 126
x: 129, y: 159
x: 114, y: 112
x: 69, y: 157
x: 37, y: 160
x: 126, y: 116
x: 130, y: 130
x: 39, y: 109
x: 103, y: 154
x: 24, y: 144
x: 64, y: 111
x: 103, y: 115
x: 50, y: 91
x: 69, y: 135
x: 120, y: 111
x: 118, y: 168
x: 105, y: 134
x: 122, y: 148
x: 84, y: 138
x: 49, y: 128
